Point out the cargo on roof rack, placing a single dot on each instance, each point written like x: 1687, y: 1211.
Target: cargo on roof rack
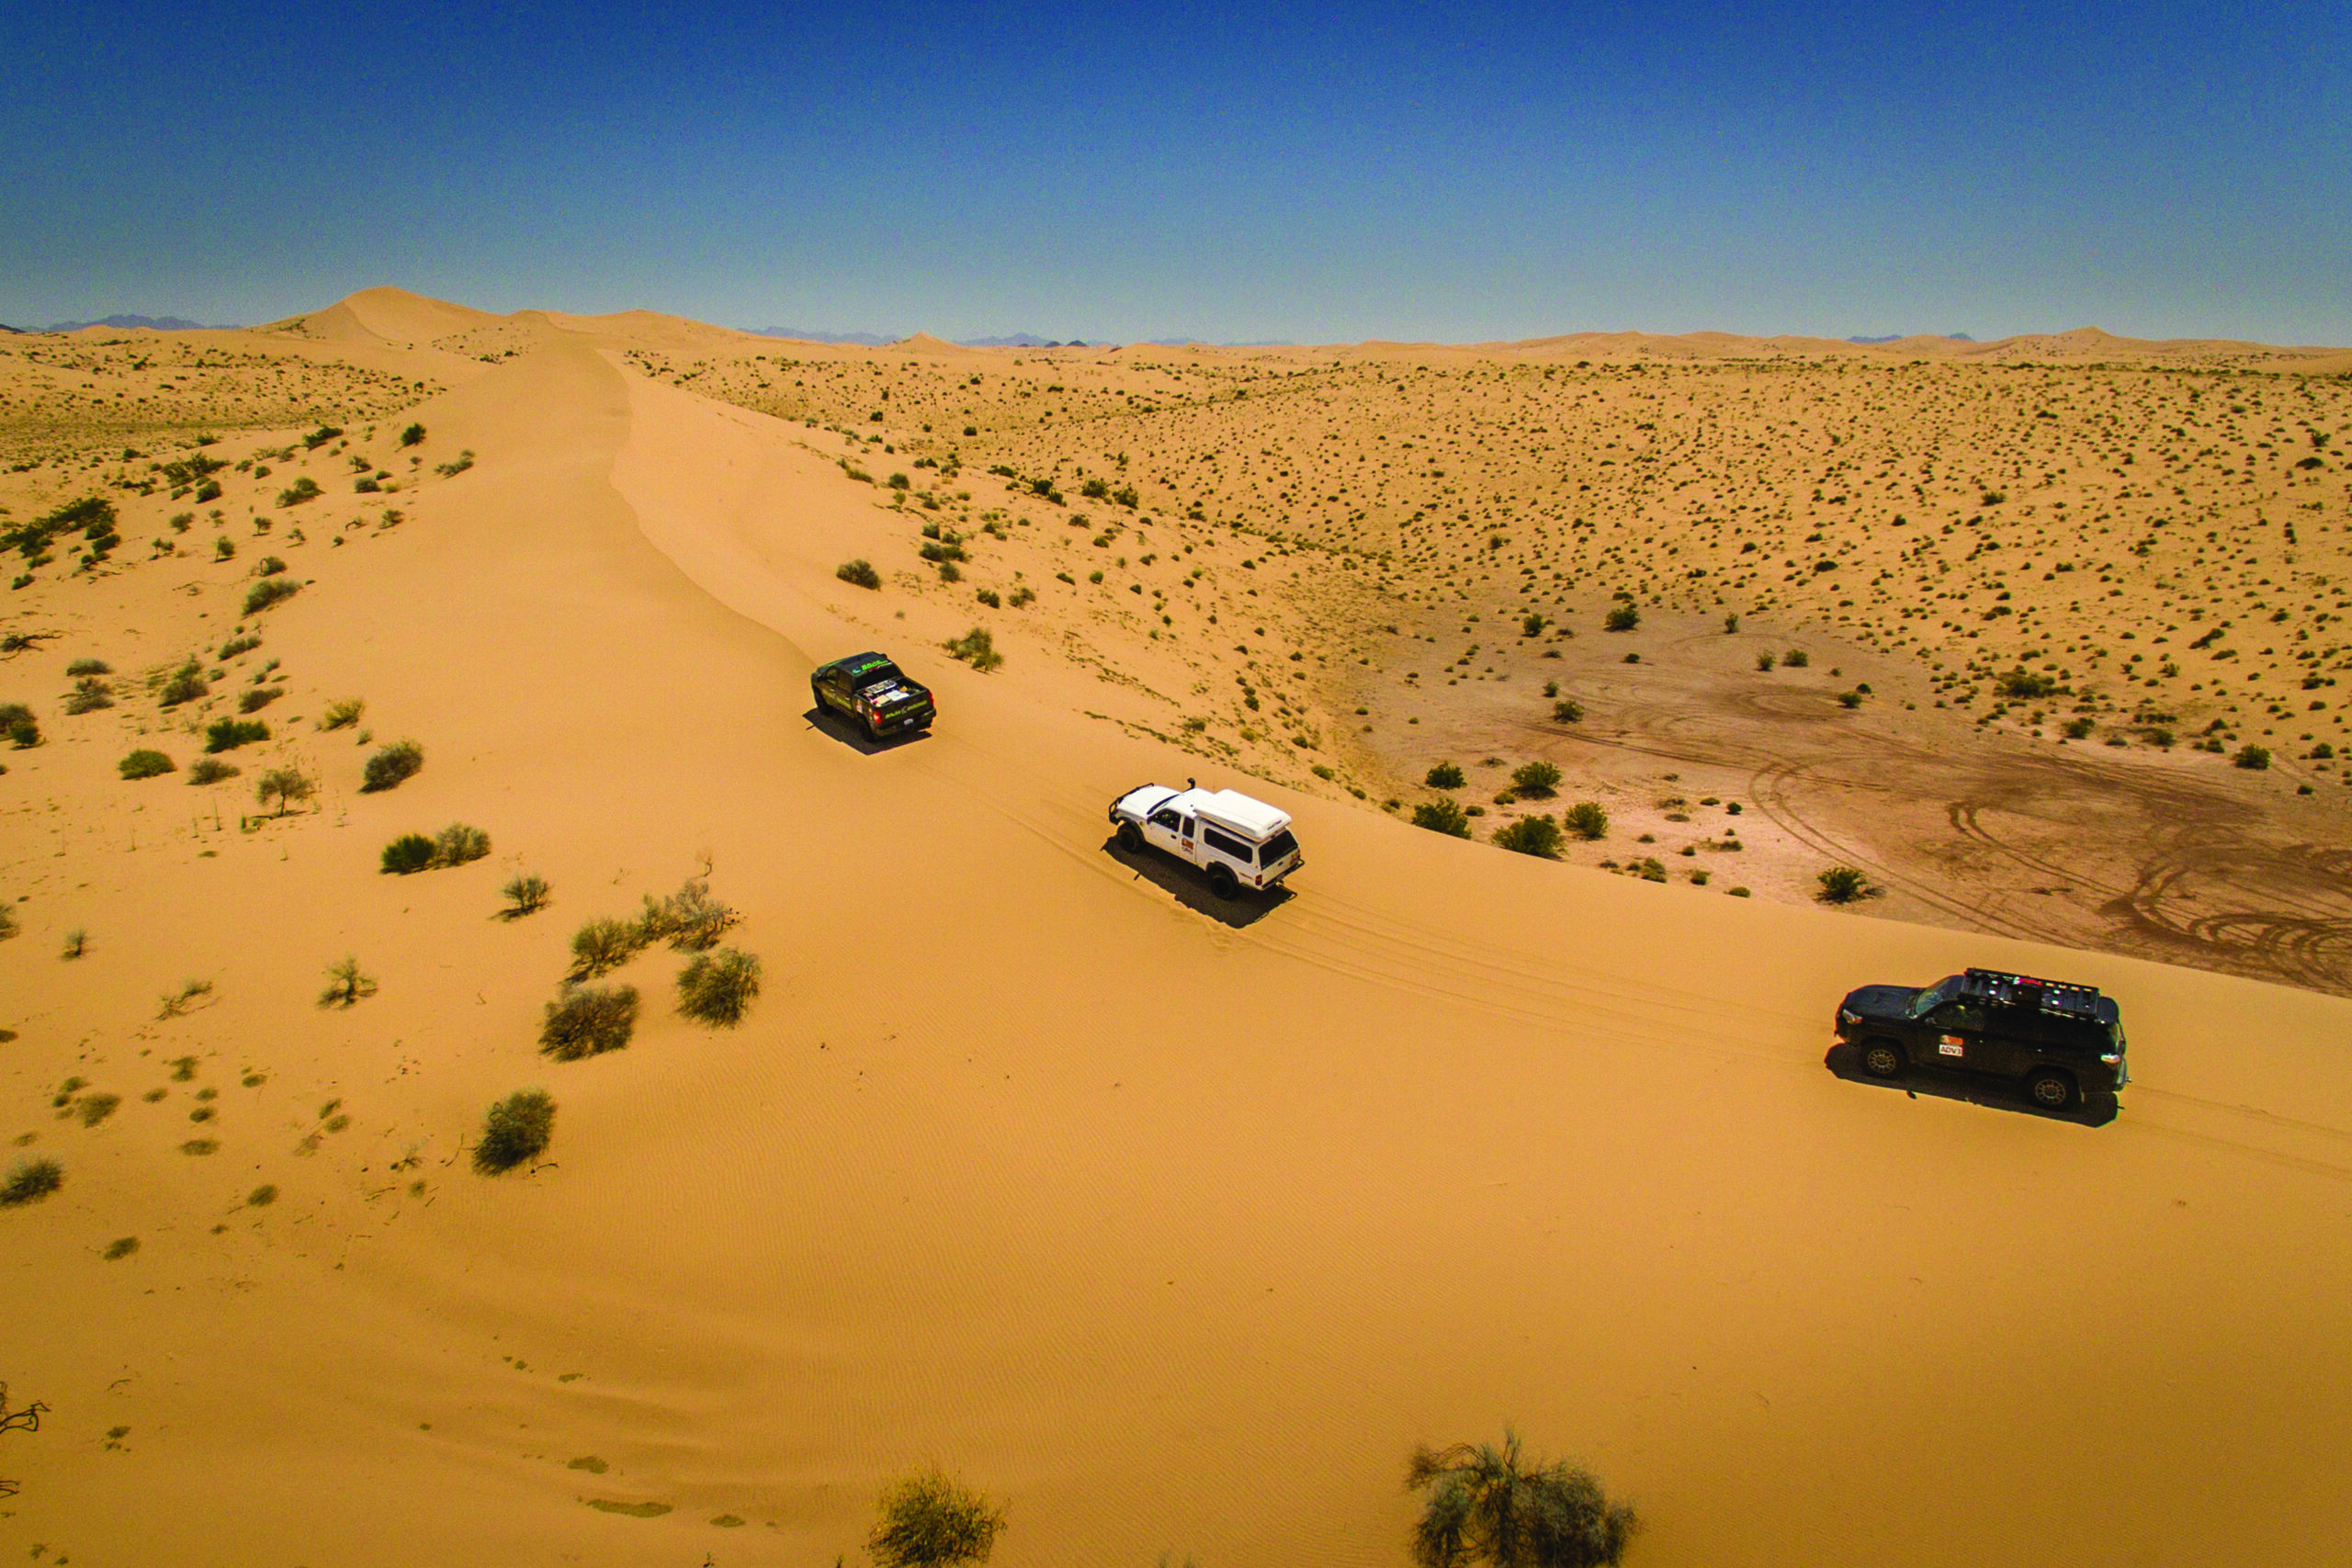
x: 2061, y: 997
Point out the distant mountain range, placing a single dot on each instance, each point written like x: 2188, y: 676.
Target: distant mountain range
x: 806, y: 335
x: 152, y: 324
x: 1898, y: 337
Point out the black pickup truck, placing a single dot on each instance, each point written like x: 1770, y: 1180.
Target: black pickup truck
x: 2057, y: 1039
x: 873, y: 694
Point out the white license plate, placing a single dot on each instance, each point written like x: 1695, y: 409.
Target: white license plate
x: 1949, y: 1046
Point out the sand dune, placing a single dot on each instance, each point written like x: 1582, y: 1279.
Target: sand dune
x: 1174, y: 1231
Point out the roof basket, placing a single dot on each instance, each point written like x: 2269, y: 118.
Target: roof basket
x: 2024, y: 991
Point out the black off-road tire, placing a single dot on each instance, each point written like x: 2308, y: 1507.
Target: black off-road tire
x: 817, y: 696
x: 2050, y: 1089
x: 873, y: 735
x: 1222, y: 881
x: 1130, y: 838
x: 1883, y: 1059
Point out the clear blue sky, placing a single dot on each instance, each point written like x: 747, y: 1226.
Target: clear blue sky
x: 1114, y: 171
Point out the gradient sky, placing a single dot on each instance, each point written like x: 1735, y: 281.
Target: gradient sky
x: 1316, y: 174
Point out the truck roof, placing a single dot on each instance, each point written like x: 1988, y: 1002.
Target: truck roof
x: 1231, y: 809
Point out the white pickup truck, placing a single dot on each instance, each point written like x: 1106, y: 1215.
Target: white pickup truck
x: 1240, y: 843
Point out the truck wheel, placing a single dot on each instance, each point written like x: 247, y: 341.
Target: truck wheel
x: 816, y: 697
x: 2051, y: 1089
x: 1130, y: 838
x: 873, y: 735
x: 1883, y: 1059
x: 1222, y: 881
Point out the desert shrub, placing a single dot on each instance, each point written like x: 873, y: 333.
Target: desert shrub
x: 89, y: 667
x: 524, y: 894
x: 1568, y: 711
x: 1624, y: 618
x: 391, y: 766
x: 459, y: 844
x: 2253, y: 757
x: 1796, y: 658
x: 224, y: 549
x: 2076, y: 729
x: 950, y: 573
x: 300, y: 491
x: 1843, y: 885
x: 978, y: 649
x: 588, y: 1022
x: 343, y: 714
x: 94, y: 1109
x: 211, y: 769
x: 253, y: 699
x: 1445, y: 775
x: 690, y: 919
x: 1586, y: 819
x: 90, y: 694
x: 1535, y: 778
x: 603, y: 943
x: 1531, y: 836
x: 122, y: 1247
x: 1854, y: 700
x: 77, y: 942
x: 145, y: 764
x: 989, y: 596
x: 2023, y: 684
x: 1445, y: 817
x: 412, y: 436
x: 859, y: 573
x: 407, y: 854
x: 518, y: 1129
x: 271, y: 566
x: 228, y: 734
x: 717, y: 988
x: 321, y: 437
x: 929, y: 1520
x: 1765, y: 661
x: 270, y: 590
x: 347, y: 987
x: 285, y: 785
x: 1025, y: 594
x: 237, y: 644
x: 1486, y: 1505
x: 7, y: 930
x: 31, y: 1180
x: 21, y: 728
x: 455, y: 466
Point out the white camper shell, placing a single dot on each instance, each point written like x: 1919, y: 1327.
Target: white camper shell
x: 1240, y: 843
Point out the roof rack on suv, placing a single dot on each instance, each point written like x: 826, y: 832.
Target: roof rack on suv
x: 2024, y: 991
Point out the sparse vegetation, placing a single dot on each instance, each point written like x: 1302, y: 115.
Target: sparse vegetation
x: 2254, y: 758
x: 517, y: 1130
x: 228, y: 734
x: 412, y: 436
x: 1624, y: 618
x: 31, y: 1180
x: 588, y: 1020
x: 1539, y: 778
x: 301, y: 493
x: 343, y: 714
x: 459, y: 844
x: 212, y: 770
x: 1586, y: 820
x: 1531, y: 836
x: 287, y: 787
x: 524, y: 894
x: 718, y: 988
x: 455, y: 466
x: 929, y: 1520
x: 1443, y: 815
x: 1486, y: 1505
x: 1445, y: 775
x: 978, y: 649
x: 391, y: 766
x: 146, y: 764
x: 270, y: 590
x: 1843, y: 885
x: 603, y: 945
x: 859, y: 573
x: 347, y: 987
x: 406, y: 855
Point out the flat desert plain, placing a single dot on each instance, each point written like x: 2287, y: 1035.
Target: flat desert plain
x: 1172, y: 1222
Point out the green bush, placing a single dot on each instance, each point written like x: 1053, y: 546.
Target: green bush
x: 286, y: 786
x: 301, y: 491
x: 1568, y: 711
x: 978, y: 649
x: 2250, y: 756
x: 409, y: 853
x: 1765, y: 661
x: 1843, y: 885
x: 2021, y: 684
x: 1531, y: 836
x: 31, y: 1180
x: 717, y: 988
x: 1854, y: 700
x: 1535, y: 778
x: 459, y: 844
x: 347, y: 987
x: 253, y: 699
x: 90, y: 694
x: 412, y: 436
x: 603, y: 943
x: 1486, y: 1505
x: 588, y: 1022
x: 1586, y: 819
x: 212, y: 770
x: 928, y: 1521
x: 145, y: 764
x: 228, y: 734
x: 690, y: 919
x: 184, y: 686
x: 516, y: 1130
x: 524, y: 894
x: 1796, y: 658
x: 1624, y: 618
x: 343, y: 714
x: 859, y: 573
x: 270, y: 590
x: 391, y: 766
x: 1445, y: 775
x: 1445, y: 817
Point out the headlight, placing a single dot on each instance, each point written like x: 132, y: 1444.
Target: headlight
x: 2113, y: 1058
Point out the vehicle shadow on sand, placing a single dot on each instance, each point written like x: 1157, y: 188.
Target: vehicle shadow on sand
x: 2095, y: 1108
x: 1191, y: 888
x: 828, y: 723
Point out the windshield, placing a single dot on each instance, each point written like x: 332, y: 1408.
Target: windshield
x: 1277, y: 848
x: 1934, y: 996
x: 880, y: 675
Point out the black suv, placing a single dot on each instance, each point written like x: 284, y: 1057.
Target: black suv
x: 873, y: 694
x: 2058, y: 1039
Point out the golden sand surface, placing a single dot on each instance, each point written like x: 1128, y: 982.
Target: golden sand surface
x: 1172, y: 1222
